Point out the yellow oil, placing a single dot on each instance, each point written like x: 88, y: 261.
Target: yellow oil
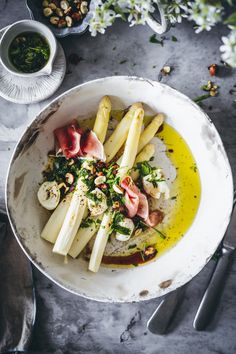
x: 186, y: 189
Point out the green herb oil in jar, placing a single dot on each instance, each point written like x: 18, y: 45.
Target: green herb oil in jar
x: 29, y: 52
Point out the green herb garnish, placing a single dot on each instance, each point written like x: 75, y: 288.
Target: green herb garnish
x: 118, y: 217
x: 153, y: 39
x: 29, y: 52
x: 154, y: 228
x: 201, y: 98
x: 144, y: 168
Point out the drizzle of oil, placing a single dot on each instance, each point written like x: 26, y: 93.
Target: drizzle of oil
x: 185, y: 190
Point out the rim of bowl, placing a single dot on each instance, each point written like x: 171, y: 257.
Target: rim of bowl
x: 35, y: 26
x: 38, y: 265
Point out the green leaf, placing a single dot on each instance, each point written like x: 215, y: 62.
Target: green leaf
x: 153, y: 39
x: 231, y: 20
x: 201, y: 98
x: 119, y: 11
x: 122, y: 230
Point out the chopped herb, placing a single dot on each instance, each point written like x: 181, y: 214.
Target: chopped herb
x: 59, y: 166
x: 154, y: 228
x: 29, y: 52
x: 201, y: 98
x: 174, y: 197
x: 194, y: 167
x: 154, y: 179
x: 122, y: 229
x: 123, y: 61
x: 144, y: 168
x: 153, y: 39
x: 87, y: 223
x: 174, y: 39
x: 130, y: 247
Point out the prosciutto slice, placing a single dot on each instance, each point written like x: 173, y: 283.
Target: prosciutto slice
x: 74, y: 141
x: 74, y: 137
x: 137, y: 203
x: 91, y: 146
x: 131, y: 196
x: 62, y: 138
x: 143, y: 208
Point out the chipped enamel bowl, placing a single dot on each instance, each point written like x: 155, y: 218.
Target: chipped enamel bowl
x: 175, y: 267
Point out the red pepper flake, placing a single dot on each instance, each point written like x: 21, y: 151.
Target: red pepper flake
x: 213, y: 69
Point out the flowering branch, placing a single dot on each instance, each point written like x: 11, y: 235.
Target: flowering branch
x: 204, y: 13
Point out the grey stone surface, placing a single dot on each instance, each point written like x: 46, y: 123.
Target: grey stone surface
x: 69, y: 324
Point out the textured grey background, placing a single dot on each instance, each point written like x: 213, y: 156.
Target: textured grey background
x: 69, y: 324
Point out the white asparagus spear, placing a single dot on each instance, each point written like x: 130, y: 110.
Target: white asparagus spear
x: 102, y: 118
x: 145, y: 155
x: 54, y: 223
x: 128, y: 159
x: 78, y: 205
x: 83, y: 236
x: 100, y: 242
x: 150, y: 131
x: 118, y: 137
x: 72, y: 220
x: 131, y: 145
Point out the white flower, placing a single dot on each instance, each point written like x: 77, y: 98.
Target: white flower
x: 100, y: 17
x: 204, y: 14
x: 174, y: 10
x: 138, y: 10
x: 229, y: 48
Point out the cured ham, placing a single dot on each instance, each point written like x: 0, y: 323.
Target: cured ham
x: 62, y: 138
x: 137, y: 203
x: 131, y: 196
x: 74, y: 141
x: 143, y: 208
x: 91, y: 146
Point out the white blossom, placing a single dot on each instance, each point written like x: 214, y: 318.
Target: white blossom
x: 229, y: 48
x: 204, y: 14
x: 174, y: 10
x: 100, y: 17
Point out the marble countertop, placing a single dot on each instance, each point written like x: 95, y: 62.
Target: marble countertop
x: 66, y: 323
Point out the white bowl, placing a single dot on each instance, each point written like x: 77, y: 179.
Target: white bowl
x: 175, y: 267
x: 27, y: 26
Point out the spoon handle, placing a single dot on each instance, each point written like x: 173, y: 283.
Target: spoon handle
x: 210, y: 300
x: 161, y: 318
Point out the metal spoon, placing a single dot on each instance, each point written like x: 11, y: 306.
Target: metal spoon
x: 161, y: 318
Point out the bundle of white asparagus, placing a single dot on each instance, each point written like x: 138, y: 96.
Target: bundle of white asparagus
x: 63, y: 228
